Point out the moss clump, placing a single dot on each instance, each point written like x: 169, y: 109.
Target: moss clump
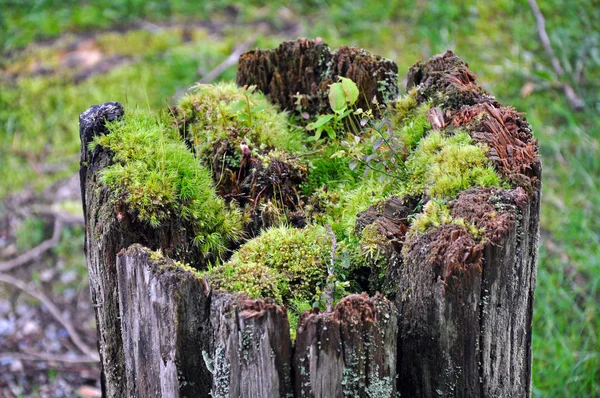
x: 436, y: 214
x: 409, y: 119
x: 156, y: 177
x: 294, y: 259
x: 328, y: 169
x: 339, y: 208
x: 373, y: 245
x: 443, y: 165
x: 222, y: 115
x: 165, y: 262
x: 254, y: 279
x: 414, y: 126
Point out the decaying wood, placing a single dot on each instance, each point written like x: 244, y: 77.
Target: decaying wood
x: 106, y: 234
x: 465, y: 304
x: 457, y: 317
x: 165, y: 313
x: 350, y: 352
x: 297, y: 74
x: 183, y: 339
x: 251, y: 348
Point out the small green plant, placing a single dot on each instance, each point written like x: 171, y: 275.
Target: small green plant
x: 384, y: 144
x: 294, y: 310
x: 342, y: 96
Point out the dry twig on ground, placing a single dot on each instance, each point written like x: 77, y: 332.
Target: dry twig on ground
x: 572, y: 98
x: 231, y: 60
x: 53, y: 309
x: 37, y: 251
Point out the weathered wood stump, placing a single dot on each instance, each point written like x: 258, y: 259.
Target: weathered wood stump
x: 456, y: 318
x: 298, y: 73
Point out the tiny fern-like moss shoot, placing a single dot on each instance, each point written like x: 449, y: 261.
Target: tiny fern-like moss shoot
x: 287, y: 263
x: 415, y: 126
x: 443, y: 165
x: 157, y: 178
x: 403, y: 107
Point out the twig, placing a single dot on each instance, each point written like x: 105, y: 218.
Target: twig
x: 572, y: 98
x: 231, y: 60
x: 37, y: 251
x: 42, y: 356
x: 53, y: 309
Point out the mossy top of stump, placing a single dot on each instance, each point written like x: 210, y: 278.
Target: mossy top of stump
x: 278, y: 210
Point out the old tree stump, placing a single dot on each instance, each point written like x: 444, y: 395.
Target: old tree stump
x: 195, y: 285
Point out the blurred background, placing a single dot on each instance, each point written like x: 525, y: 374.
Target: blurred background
x: 61, y: 56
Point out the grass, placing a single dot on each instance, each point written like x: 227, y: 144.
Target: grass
x: 38, y: 114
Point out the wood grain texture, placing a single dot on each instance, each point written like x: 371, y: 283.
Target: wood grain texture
x: 165, y: 319
x: 251, y: 348
x: 348, y: 352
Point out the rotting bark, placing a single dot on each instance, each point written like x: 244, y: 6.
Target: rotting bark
x: 297, y: 74
x: 470, y: 303
x: 183, y: 339
x: 466, y: 305
x: 251, y: 348
x: 350, y: 352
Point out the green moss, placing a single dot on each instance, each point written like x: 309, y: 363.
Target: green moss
x: 403, y: 108
x: 436, y: 214
x: 254, y: 279
x: 333, y: 171
x: 295, y: 308
x: 156, y: 177
x: 443, y: 165
x: 371, y: 253
x: 165, y: 262
x: 223, y: 112
x: 413, y: 125
x: 340, y: 207
x: 288, y: 262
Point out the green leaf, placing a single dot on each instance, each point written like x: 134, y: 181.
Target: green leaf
x: 330, y: 132
x: 322, y: 120
x: 238, y: 106
x: 350, y: 89
x: 258, y: 108
x: 345, y: 113
x: 337, y: 97
x: 318, y: 134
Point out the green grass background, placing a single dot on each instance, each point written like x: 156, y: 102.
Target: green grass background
x: 39, y: 111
